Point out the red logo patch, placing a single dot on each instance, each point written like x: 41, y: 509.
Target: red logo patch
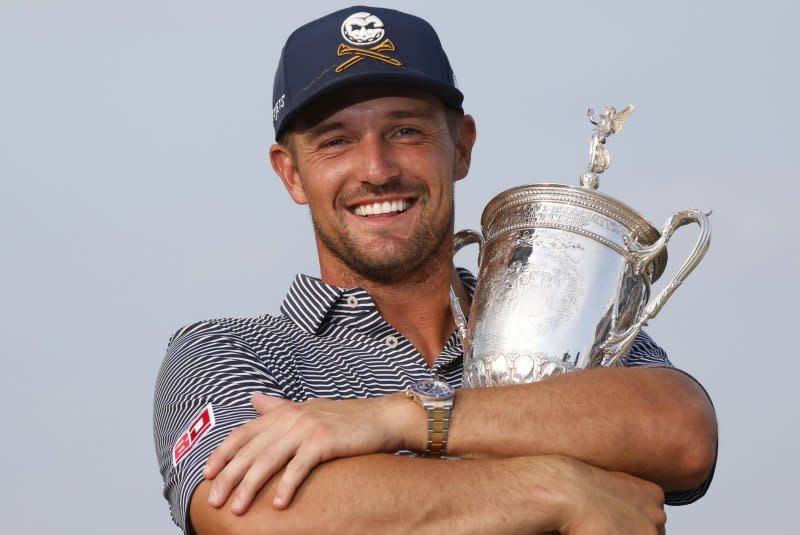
x: 199, y: 427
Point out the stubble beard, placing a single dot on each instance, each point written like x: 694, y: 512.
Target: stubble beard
x: 429, y: 240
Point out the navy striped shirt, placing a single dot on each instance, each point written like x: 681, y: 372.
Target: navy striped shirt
x: 327, y: 342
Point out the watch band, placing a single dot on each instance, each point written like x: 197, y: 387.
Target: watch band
x: 438, y: 426
x: 436, y: 397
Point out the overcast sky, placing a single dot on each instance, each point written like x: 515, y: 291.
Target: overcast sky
x: 135, y: 197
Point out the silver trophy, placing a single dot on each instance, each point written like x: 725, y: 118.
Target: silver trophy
x: 564, y: 275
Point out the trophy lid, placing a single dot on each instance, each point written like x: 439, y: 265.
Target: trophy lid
x: 532, y: 206
x: 578, y: 209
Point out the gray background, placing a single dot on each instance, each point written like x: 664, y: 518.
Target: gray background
x: 135, y: 196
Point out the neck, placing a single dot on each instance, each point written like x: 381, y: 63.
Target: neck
x: 418, y: 307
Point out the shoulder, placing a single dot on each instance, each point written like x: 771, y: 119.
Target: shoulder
x: 202, y: 392
x: 227, y: 328
x: 218, y: 357
x: 240, y: 335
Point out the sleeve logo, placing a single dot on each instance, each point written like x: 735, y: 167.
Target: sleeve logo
x: 202, y: 423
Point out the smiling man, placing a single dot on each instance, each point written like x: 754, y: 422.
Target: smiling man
x: 376, y: 218
x: 293, y: 423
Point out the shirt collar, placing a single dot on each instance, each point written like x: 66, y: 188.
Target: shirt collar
x: 310, y: 300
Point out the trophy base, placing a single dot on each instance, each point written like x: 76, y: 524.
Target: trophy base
x: 495, y: 369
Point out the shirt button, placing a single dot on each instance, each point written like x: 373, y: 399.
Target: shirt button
x: 391, y: 341
x: 352, y: 301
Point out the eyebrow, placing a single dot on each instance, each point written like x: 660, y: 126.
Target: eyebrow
x: 323, y: 128
x: 419, y: 112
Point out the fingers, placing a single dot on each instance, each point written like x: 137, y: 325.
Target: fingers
x: 225, y: 451
x: 298, y: 469
x: 249, y: 482
x: 294, y: 436
x: 249, y: 470
x: 241, y: 435
x: 255, y: 452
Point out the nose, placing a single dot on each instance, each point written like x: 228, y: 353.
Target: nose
x: 378, y: 162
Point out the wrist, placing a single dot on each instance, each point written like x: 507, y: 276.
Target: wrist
x: 409, y: 419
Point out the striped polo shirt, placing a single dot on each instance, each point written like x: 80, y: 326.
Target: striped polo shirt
x: 327, y: 342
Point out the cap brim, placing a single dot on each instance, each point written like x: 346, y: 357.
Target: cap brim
x: 449, y: 95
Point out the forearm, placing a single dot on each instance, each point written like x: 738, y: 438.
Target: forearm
x: 392, y: 494
x: 655, y: 423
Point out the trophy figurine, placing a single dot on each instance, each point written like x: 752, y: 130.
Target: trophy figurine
x: 609, y: 123
x: 564, y: 275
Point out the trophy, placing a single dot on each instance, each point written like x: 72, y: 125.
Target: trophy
x: 564, y: 275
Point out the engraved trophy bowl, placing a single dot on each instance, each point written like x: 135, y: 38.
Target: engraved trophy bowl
x: 564, y: 278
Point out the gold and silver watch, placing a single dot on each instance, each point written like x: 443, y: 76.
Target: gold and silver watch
x: 436, y: 397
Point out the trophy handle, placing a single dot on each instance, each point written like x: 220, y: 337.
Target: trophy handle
x: 678, y: 220
x: 643, y: 255
x: 465, y: 237
x: 460, y: 239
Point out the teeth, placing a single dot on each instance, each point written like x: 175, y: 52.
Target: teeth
x: 380, y: 208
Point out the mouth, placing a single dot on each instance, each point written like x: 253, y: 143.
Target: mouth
x: 396, y: 206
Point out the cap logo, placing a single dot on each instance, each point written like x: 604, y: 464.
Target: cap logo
x: 362, y: 29
x: 360, y: 53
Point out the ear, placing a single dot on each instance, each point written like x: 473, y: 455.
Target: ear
x: 467, y: 133
x: 283, y: 164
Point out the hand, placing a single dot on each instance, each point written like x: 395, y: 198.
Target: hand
x: 598, y: 502
x: 300, y: 436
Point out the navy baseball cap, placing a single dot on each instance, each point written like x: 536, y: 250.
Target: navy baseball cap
x: 360, y: 45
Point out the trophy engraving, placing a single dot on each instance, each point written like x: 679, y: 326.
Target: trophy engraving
x: 564, y: 275
x: 610, y: 122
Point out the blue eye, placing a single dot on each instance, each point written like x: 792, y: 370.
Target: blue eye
x: 333, y: 142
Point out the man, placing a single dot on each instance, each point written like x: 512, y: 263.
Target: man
x: 289, y: 424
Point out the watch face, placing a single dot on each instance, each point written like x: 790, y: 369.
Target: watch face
x: 433, y: 388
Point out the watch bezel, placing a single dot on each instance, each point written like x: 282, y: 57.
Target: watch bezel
x: 433, y: 389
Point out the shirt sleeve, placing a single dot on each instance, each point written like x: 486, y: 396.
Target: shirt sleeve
x: 202, y: 393
x: 646, y: 353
